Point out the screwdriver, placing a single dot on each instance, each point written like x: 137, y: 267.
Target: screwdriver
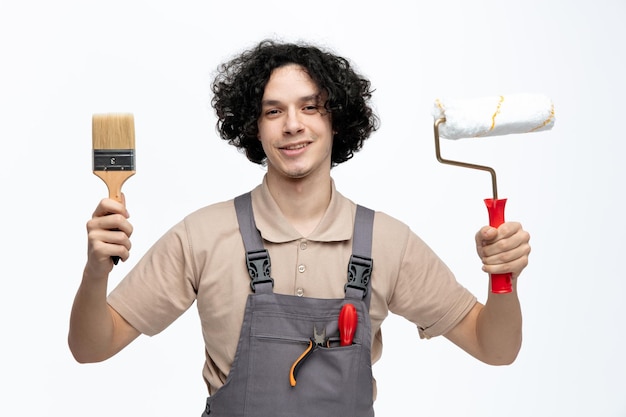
x: 347, y: 324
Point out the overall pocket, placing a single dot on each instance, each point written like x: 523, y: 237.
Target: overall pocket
x: 327, y: 375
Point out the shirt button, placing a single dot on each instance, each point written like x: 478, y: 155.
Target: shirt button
x: 300, y: 292
x: 303, y: 245
x: 301, y: 268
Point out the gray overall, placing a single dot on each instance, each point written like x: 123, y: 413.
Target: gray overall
x: 279, y: 331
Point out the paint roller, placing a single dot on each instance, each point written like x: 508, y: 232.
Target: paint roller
x: 491, y: 116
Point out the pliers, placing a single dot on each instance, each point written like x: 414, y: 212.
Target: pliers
x: 318, y: 340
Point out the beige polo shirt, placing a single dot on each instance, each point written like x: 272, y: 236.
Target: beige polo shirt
x: 202, y: 259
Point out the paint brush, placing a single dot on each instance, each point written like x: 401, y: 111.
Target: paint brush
x: 113, y: 137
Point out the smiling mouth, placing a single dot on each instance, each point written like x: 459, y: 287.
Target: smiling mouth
x: 295, y: 147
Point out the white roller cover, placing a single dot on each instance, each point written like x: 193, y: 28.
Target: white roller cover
x: 494, y: 116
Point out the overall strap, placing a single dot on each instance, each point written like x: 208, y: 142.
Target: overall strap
x: 257, y: 257
x: 361, y: 264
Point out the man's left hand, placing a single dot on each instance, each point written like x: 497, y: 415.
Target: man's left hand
x: 504, y: 249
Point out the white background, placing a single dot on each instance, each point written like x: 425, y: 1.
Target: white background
x: 63, y: 61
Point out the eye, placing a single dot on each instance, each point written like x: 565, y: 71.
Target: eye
x: 311, y: 108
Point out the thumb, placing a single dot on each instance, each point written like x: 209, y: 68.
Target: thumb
x: 486, y: 235
x: 123, y: 201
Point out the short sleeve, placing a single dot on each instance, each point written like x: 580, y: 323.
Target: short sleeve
x: 426, y: 291
x: 160, y: 287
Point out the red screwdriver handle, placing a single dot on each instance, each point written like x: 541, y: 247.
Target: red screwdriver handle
x: 500, y: 283
x: 347, y: 324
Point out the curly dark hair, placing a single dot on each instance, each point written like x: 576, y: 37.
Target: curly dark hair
x: 240, y: 83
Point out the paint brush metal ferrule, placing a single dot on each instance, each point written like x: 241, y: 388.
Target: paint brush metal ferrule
x: 113, y: 159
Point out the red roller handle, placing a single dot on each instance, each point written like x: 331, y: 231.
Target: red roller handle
x: 500, y: 283
x: 347, y: 324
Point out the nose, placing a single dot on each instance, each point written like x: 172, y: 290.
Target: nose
x: 293, y: 123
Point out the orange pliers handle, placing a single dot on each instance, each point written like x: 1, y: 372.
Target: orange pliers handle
x: 298, y: 363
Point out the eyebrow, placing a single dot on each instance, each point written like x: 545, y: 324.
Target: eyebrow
x: 312, y: 97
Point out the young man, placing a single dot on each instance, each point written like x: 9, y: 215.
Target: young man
x: 299, y: 111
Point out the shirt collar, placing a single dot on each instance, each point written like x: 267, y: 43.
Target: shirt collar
x: 336, y: 224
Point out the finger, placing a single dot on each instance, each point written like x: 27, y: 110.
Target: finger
x: 504, y: 243
x: 115, y: 237
x: 103, y: 253
x: 512, y: 261
x: 104, y: 244
x: 514, y: 267
x: 507, y: 230
x: 110, y: 206
x: 110, y: 222
x: 505, y: 257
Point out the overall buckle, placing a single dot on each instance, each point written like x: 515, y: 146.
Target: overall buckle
x: 259, y: 267
x: 359, y: 272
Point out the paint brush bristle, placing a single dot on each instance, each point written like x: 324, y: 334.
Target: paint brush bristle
x: 113, y: 131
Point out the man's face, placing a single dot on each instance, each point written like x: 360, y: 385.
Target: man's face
x: 294, y: 128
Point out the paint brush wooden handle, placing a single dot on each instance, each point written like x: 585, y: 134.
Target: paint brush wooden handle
x: 114, y: 181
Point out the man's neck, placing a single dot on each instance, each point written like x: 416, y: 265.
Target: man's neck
x: 303, y: 201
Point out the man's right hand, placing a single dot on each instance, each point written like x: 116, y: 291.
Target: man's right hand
x: 108, y: 235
